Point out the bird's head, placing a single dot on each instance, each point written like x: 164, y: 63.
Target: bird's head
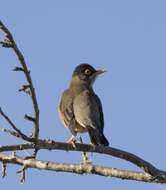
x: 85, y: 73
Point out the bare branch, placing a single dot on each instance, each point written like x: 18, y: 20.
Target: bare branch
x: 29, y: 118
x: 9, y: 42
x: 24, y: 88
x: 22, y: 172
x: 18, y: 69
x: 79, y: 168
x: 11, y: 132
x: 52, y: 145
x: 16, y: 147
x: 22, y: 135
x: 84, y: 155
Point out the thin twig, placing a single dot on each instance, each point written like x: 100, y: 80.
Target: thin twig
x: 18, y: 69
x: 11, y: 132
x: 4, y: 166
x: 22, y: 135
x: 22, y: 172
x: 29, y: 118
x: 84, y: 154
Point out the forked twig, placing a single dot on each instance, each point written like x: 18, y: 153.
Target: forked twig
x: 21, y: 134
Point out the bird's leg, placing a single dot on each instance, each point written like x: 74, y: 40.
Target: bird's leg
x: 85, y: 155
x: 73, y: 140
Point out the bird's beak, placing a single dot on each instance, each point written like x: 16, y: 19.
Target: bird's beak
x: 99, y: 72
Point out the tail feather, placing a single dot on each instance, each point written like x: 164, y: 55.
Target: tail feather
x: 97, y: 137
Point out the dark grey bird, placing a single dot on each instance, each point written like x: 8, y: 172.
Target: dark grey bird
x: 80, y: 108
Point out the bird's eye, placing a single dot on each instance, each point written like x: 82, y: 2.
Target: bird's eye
x: 88, y: 72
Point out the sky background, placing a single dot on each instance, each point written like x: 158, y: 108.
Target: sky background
x: 128, y: 39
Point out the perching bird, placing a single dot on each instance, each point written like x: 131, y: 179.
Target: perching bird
x: 80, y: 108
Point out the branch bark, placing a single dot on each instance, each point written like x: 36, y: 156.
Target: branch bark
x: 78, y: 168
x: 156, y: 174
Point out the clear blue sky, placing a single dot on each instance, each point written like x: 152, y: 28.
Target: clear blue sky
x: 128, y: 39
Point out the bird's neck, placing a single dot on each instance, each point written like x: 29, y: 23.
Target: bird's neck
x: 77, y: 86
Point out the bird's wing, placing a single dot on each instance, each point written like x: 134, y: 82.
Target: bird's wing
x: 101, y: 111
x: 88, y: 113
x: 66, y: 111
x: 88, y: 110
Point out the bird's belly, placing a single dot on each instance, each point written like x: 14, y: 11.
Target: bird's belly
x: 77, y: 127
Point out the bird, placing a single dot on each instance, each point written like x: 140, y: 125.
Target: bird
x: 80, y: 109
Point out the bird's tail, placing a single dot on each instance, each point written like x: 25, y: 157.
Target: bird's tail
x: 97, y: 137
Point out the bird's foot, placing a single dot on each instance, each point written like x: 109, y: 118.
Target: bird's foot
x: 72, y: 141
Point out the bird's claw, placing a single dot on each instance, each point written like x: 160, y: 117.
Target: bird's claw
x: 72, y: 141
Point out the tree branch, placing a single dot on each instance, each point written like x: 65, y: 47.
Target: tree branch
x: 78, y: 168
x: 10, y: 132
x: 52, y: 145
x: 19, y: 133
x: 10, y: 43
